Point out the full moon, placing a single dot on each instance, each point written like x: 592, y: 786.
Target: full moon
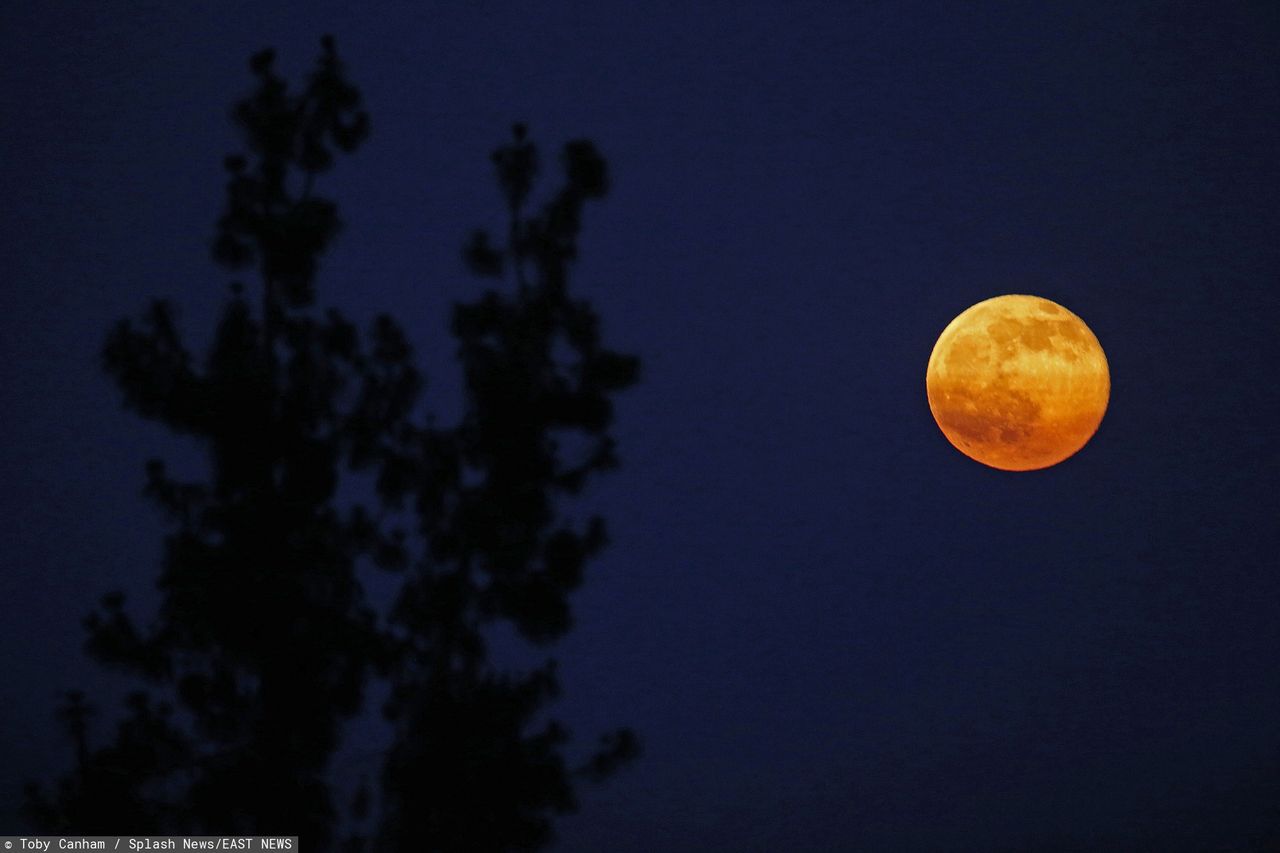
x: 1018, y: 383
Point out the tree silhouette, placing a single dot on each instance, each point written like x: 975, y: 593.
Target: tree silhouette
x: 264, y: 643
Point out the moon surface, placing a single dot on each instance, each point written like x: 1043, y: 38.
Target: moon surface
x: 1018, y: 383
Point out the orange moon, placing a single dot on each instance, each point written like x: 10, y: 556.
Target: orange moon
x: 1018, y: 383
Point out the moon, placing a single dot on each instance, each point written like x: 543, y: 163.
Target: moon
x: 1018, y: 383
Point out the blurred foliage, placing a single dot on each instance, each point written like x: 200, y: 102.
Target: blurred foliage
x: 264, y: 644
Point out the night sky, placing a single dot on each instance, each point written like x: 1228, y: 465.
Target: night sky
x: 831, y: 630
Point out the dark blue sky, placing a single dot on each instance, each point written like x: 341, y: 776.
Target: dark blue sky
x: 832, y: 630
